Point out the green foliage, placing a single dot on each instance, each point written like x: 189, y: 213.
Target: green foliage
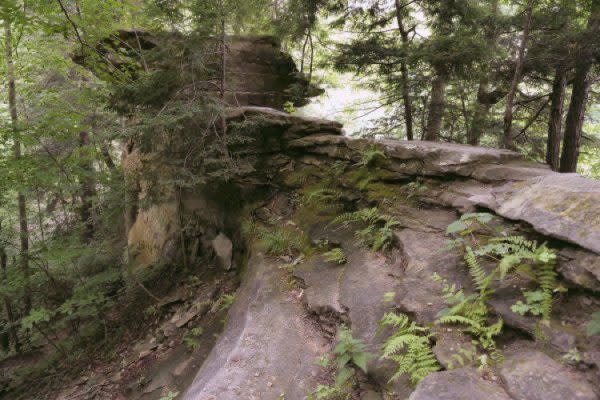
x: 190, y: 340
x: 335, y: 255
x: 322, y: 196
x: 470, y: 311
x: 280, y: 241
x: 325, y: 392
x: 409, y: 347
x: 347, y: 352
x: 468, y: 223
x: 510, y: 253
x: 593, y: 327
x: 372, y: 156
x: 377, y: 234
x: 226, y: 301
x: 170, y: 396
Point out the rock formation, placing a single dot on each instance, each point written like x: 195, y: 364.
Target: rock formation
x: 290, y: 306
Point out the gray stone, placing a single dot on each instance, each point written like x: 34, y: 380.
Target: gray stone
x: 223, y: 249
x: 580, y: 268
x: 535, y: 376
x: 458, y: 384
x: 268, y: 333
x: 564, y: 206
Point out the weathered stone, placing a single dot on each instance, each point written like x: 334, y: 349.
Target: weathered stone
x: 535, y: 376
x: 223, y: 249
x: 580, y: 268
x: 268, y: 333
x: 563, y: 206
x: 458, y: 384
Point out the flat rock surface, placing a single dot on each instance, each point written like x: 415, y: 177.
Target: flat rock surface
x: 535, y: 376
x: 268, y: 348
x: 564, y: 206
x: 458, y: 384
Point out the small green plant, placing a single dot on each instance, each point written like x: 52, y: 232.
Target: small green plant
x: 409, y: 347
x: 226, y: 301
x: 470, y: 311
x: 377, y: 234
x: 593, y: 327
x: 372, y: 156
x: 573, y: 356
x: 510, y: 253
x: 191, y: 339
x: 347, y: 352
x: 279, y: 242
x: 151, y: 311
x: 335, y: 255
x: 289, y: 107
x: 322, y: 196
x: 170, y: 396
x: 327, y: 392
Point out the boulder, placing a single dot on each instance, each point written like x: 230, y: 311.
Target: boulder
x: 535, y: 376
x: 223, y: 249
x: 458, y: 384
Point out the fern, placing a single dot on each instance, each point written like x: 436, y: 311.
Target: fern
x: 378, y: 233
x: 322, y: 195
x: 409, y: 347
x: 372, y: 156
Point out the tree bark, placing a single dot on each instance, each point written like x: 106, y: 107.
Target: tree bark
x: 557, y: 100
x: 10, y: 317
x: 507, y: 139
x: 408, y: 114
x: 437, y: 106
x: 581, y: 85
x: 88, y: 187
x: 12, y: 105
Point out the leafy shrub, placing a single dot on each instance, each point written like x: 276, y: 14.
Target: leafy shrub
x: 409, y: 347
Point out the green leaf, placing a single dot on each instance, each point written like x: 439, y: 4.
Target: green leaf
x: 456, y: 226
x: 361, y: 359
x: 343, y: 375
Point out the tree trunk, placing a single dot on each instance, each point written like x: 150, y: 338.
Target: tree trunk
x: 557, y: 99
x: 408, y: 114
x: 437, y: 106
x: 10, y: 317
x: 579, y: 96
x: 12, y: 105
x: 507, y: 139
x: 480, y: 114
x: 88, y: 187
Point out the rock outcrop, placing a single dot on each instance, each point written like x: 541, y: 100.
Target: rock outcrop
x: 454, y: 179
x: 293, y: 299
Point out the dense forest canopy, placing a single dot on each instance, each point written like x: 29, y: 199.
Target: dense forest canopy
x: 83, y: 78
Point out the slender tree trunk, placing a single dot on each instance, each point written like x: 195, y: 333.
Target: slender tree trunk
x: 223, y: 51
x: 408, y: 114
x: 10, y: 317
x: 557, y: 100
x: 483, y: 104
x: 88, y: 187
x: 575, y: 116
x: 579, y: 96
x: 507, y: 138
x: 12, y: 105
x: 437, y: 105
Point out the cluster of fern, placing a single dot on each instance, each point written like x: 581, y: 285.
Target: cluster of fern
x: 510, y: 254
x: 409, y: 347
x: 377, y: 233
